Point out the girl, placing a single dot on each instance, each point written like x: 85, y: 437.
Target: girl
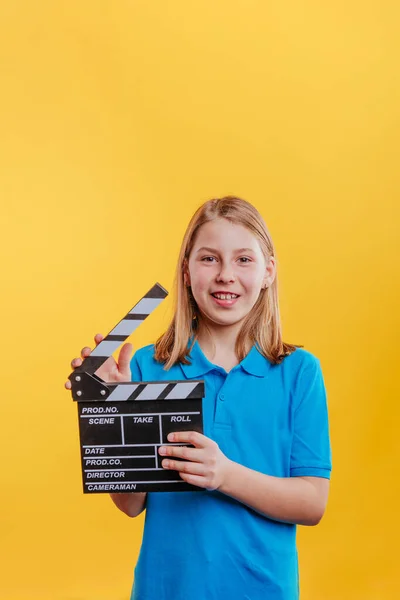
x: 264, y: 460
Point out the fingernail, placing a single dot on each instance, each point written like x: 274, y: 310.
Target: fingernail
x: 165, y: 464
x: 171, y: 437
x: 162, y: 450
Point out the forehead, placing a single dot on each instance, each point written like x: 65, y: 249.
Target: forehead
x: 224, y: 235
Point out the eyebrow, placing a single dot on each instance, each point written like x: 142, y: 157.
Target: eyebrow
x: 216, y: 251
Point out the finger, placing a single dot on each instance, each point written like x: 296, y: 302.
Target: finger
x: 76, y: 362
x: 98, y: 338
x: 197, y: 480
x: 193, y: 454
x: 67, y: 385
x: 85, y: 351
x: 125, y: 357
x: 189, y: 437
x: 183, y: 467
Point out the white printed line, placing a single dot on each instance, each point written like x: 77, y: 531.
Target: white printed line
x: 101, y: 415
x: 160, y: 425
x: 131, y: 482
x: 128, y: 446
x: 122, y: 431
x: 122, y: 470
x: 103, y: 456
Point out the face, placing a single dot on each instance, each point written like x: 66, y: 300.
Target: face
x: 226, y: 271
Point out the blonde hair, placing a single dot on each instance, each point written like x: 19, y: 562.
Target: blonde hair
x: 262, y: 326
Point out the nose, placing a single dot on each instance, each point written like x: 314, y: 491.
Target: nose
x: 226, y: 274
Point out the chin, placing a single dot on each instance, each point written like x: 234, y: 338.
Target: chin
x: 227, y: 322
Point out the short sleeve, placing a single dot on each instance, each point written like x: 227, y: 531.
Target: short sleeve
x: 136, y: 374
x: 311, y: 450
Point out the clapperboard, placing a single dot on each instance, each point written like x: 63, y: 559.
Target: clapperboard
x: 122, y: 425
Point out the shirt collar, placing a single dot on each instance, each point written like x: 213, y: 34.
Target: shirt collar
x: 200, y: 365
x: 254, y: 363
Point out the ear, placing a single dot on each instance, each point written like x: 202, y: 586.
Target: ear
x: 186, y: 274
x: 270, y: 273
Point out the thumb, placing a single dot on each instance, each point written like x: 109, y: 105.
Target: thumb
x: 124, y: 358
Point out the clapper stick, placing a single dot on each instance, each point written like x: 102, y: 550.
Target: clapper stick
x: 122, y: 425
x: 86, y: 386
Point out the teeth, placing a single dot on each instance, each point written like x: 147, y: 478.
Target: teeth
x: 225, y: 296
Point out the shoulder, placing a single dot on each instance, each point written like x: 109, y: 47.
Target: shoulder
x: 145, y: 353
x: 144, y: 357
x: 305, y: 375
x: 150, y: 368
x: 301, y: 359
x: 302, y: 368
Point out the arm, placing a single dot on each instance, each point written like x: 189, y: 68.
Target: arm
x: 130, y: 504
x: 302, y: 497
x: 125, y: 370
x: 300, y: 500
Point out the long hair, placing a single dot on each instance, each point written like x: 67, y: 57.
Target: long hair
x: 262, y: 326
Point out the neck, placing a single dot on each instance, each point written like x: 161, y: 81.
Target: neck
x: 218, y: 340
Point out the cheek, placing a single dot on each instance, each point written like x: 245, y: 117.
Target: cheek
x: 252, y: 280
x: 201, y: 281
x: 202, y: 288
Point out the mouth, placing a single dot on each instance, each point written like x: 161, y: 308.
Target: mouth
x: 225, y: 296
x: 225, y: 299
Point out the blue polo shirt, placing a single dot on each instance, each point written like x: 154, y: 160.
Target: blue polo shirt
x: 206, y: 545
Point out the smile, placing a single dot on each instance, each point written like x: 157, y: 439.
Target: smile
x: 225, y: 296
x: 225, y: 299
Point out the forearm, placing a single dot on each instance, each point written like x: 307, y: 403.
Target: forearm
x: 130, y: 504
x: 290, y: 500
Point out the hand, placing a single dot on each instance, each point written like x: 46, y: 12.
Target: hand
x: 110, y: 371
x: 208, y: 465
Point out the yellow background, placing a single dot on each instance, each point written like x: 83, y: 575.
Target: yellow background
x: 117, y: 119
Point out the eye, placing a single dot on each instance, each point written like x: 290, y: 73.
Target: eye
x: 207, y: 257
x: 245, y: 258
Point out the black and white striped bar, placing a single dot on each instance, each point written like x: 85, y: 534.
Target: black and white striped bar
x: 123, y: 329
x: 160, y: 390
